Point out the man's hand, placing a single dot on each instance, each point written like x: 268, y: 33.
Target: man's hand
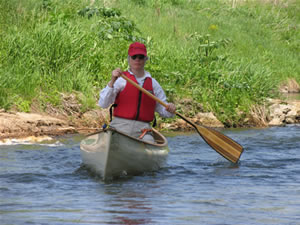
x: 115, y: 74
x: 171, y: 108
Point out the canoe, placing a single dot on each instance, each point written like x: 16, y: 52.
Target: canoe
x: 111, y: 153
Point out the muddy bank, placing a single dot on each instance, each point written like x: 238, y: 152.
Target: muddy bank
x: 70, y: 120
x: 19, y: 124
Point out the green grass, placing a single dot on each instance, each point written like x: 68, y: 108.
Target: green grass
x: 227, y: 59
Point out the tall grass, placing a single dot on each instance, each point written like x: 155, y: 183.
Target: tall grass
x: 225, y: 58
x: 57, y: 51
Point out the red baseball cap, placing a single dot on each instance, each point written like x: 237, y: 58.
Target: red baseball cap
x: 137, y: 48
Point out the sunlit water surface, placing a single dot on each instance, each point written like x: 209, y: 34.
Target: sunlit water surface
x: 47, y: 184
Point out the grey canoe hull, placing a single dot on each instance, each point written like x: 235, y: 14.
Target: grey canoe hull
x: 111, y: 153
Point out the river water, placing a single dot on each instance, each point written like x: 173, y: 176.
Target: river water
x: 46, y: 184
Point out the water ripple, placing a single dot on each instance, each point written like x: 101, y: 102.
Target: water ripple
x: 42, y: 184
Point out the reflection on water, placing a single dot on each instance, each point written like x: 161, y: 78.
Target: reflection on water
x: 46, y: 184
x: 130, y: 203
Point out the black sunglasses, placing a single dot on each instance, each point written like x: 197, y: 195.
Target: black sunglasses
x: 138, y: 56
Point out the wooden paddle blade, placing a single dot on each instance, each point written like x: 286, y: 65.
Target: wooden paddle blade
x: 224, y: 145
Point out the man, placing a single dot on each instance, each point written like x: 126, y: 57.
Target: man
x: 134, y: 110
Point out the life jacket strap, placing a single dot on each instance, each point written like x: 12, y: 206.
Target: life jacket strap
x: 144, y: 132
x: 111, y: 111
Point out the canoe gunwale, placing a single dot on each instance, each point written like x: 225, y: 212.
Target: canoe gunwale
x: 161, y: 137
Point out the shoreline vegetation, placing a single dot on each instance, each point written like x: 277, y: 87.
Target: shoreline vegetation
x: 40, y: 126
x: 221, y: 61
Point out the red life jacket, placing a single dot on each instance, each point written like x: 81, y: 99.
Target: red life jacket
x: 133, y: 104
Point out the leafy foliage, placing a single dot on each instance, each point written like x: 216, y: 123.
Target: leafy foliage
x: 224, y: 58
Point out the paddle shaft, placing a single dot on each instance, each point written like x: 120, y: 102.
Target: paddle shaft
x: 144, y: 91
x: 224, y: 145
x: 154, y: 97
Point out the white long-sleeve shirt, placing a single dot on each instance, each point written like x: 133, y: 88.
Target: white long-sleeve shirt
x: 108, y: 94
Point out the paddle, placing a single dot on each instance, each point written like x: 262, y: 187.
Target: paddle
x: 224, y: 145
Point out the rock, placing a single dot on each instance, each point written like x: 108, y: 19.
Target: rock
x: 284, y: 113
x: 289, y: 86
x: 208, y: 119
x: 276, y: 122
x: 94, y: 118
x: 27, y: 124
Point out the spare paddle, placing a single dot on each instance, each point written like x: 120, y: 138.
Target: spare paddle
x: 224, y: 145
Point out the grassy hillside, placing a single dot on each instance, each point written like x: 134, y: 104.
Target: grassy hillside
x: 225, y: 57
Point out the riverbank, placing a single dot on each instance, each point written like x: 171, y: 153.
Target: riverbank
x: 214, y: 60
x: 69, y: 120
